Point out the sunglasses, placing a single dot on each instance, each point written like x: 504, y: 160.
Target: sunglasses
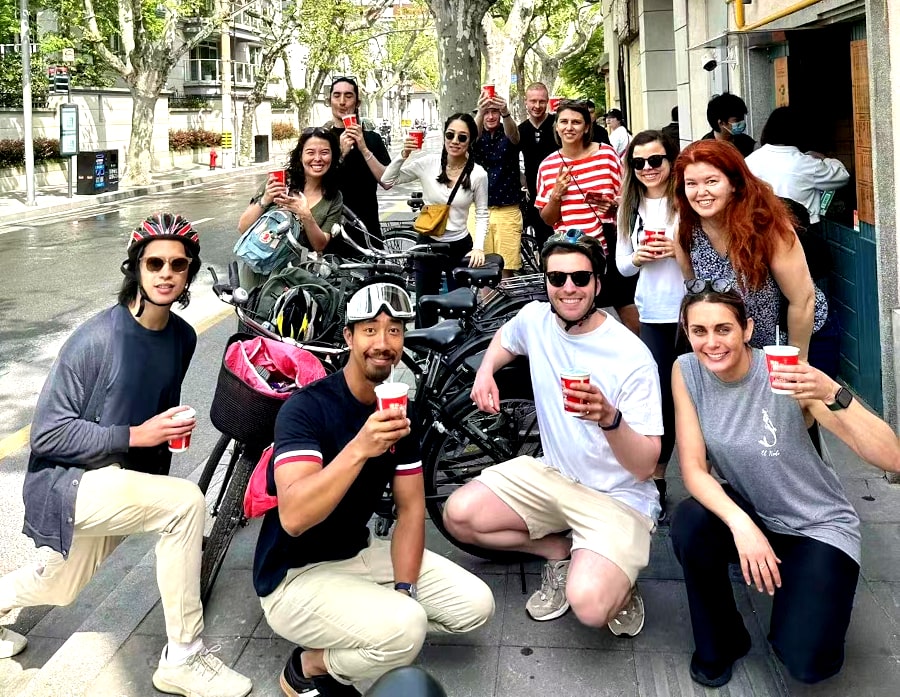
x: 654, y: 161
x: 315, y: 131
x: 695, y: 286
x: 156, y: 264
x: 577, y: 103
x: 460, y: 137
x: 557, y: 279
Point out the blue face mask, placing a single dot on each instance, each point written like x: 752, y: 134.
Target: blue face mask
x: 738, y: 128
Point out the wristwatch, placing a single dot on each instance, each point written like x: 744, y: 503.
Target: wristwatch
x: 614, y: 425
x: 409, y: 588
x: 505, y: 116
x: 842, y: 399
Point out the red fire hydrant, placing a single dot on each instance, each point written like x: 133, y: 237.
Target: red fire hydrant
x: 213, y: 156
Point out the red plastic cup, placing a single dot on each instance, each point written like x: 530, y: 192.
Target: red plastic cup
x: 182, y: 443
x: 488, y: 91
x: 419, y: 136
x: 649, y: 235
x: 349, y: 120
x: 574, y: 376
x: 280, y: 175
x: 777, y: 356
x: 391, y: 394
x: 553, y: 104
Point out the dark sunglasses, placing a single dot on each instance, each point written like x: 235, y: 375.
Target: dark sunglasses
x: 460, y: 137
x: 654, y: 161
x: 557, y: 279
x: 577, y: 103
x: 156, y: 264
x: 315, y: 131
x: 695, y: 286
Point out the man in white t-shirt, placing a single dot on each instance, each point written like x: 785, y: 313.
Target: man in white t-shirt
x: 600, y: 441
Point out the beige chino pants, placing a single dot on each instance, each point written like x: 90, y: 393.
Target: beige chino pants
x: 350, y: 609
x: 111, y: 504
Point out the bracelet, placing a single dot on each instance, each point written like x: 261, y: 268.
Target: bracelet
x: 505, y: 116
x: 369, y: 156
x: 614, y: 425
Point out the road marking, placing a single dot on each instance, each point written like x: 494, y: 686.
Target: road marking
x: 15, y: 441
x: 201, y: 220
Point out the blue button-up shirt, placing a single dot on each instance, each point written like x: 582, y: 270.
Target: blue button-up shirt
x: 500, y: 158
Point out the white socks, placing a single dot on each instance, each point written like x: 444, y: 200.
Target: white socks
x: 176, y: 653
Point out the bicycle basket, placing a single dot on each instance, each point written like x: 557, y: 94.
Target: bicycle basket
x: 245, y: 405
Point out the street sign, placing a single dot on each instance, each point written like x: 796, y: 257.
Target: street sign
x: 68, y: 130
x: 226, y: 139
x: 68, y: 55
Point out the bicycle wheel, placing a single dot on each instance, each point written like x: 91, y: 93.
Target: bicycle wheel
x: 455, y: 457
x: 212, y: 463
x: 229, y: 515
x: 398, y: 240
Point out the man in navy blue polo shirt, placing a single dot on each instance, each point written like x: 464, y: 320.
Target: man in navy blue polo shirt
x: 497, y: 150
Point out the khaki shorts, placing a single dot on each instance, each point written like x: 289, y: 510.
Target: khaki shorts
x: 504, y: 235
x: 550, y: 502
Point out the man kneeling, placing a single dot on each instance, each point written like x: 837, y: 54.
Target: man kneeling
x: 600, y: 440
x: 356, y: 605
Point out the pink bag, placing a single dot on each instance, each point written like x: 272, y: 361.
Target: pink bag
x: 256, y: 499
x: 283, y: 362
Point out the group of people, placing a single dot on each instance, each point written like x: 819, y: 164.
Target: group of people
x: 709, y: 254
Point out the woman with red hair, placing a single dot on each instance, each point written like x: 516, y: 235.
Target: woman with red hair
x: 733, y: 226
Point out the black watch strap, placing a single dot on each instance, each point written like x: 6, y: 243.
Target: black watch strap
x: 842, y: 399
x: 614, y: 425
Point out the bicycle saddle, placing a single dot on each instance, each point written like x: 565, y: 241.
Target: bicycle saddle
x: 407, y: 681
x: 457, y: 303
x: 440, y: 337
x: 487, y: 276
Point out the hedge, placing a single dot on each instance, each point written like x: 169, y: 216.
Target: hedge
x: 284, y: 131
x: 12, y: 152
x: 193, y: 138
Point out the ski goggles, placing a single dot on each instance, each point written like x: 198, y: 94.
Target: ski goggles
x: 369, y: 301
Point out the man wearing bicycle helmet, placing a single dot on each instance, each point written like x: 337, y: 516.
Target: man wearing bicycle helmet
x: 99, y: 458
x: 359, y: 606
x: 596, y: 392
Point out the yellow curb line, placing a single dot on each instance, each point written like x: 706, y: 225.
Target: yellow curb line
x: 15, y: 441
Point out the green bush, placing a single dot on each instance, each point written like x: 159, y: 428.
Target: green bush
x: 12, y: 152
x: 284, y: 131
x: 193, y: 138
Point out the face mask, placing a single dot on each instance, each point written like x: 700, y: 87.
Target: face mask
x: 738, y: 128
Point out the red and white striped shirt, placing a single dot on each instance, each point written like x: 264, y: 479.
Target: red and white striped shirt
x: 600, y: 172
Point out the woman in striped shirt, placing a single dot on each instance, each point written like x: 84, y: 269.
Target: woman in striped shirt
x: 577, y: 187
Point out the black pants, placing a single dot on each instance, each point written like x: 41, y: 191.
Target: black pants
x: 660, y: 339
x: 532, y: 217
x: 810, y: 612
x: 616, y: 290
x: 429, y: 273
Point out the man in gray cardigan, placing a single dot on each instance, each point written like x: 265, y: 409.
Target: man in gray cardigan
x: 99, y: 461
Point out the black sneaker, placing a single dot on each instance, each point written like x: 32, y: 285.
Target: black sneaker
x: 661, y: 488
x: 717, y: 676
x: 318, y: 686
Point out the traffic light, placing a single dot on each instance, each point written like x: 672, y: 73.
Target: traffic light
x: 61, y: 80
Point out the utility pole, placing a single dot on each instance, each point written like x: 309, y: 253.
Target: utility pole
x: 25, y: 36
x: 226, y: 73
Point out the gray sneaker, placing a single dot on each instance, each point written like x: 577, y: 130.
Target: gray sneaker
x: 202, y: 675
x: 630, y: 620
x: 11, y: 643
x: 550, y: 601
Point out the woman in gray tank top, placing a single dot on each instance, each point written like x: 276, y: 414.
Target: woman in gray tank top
x: 781, y: 513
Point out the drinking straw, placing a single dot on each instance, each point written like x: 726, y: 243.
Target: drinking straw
x: 777, y: 335
x: 391, y: 378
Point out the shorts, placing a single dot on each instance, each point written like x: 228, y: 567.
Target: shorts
x: 549, y: 502
x: 504, y: 236
x: 616, y: 290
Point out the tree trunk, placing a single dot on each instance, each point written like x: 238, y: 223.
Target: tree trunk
x: 263, y: 73
x: 460, y: 37
x: 139, y: 158
x: 501, y: 43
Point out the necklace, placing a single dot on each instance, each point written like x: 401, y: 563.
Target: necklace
x: 455, y: 168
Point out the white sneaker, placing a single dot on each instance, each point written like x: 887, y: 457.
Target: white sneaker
x: 11, y: 643
x: 630, y: 620
x: 201, y: 675
x: 550, y: 601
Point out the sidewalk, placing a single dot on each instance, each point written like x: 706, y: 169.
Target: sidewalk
x: 51, y: 200
x: 108, y: 642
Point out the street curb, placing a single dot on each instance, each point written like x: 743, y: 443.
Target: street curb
x: 75, y: 205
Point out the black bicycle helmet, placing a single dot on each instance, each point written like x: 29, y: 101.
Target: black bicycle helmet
x: 162, y: 226
x: 297, y: 315
x: 574, y: 239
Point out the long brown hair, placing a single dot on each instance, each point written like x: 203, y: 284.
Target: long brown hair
x: 633, y: 190
x: 756, y: 220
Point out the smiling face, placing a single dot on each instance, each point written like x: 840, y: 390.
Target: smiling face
x: 536, y: 103
x: 571, y: 127
x: 718, y: 340
x: 316, y: 157
x: 571, y: 302
x: 654, y: 178
x: 376, y: 346
x: 343, y: 99
x: 491, y: 119
x: 164, y: 286
x: 707, y: 189
x: 454, y: 147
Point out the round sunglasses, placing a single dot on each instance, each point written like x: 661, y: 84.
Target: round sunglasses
x: 156, y: 264
x: 460, y: 137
